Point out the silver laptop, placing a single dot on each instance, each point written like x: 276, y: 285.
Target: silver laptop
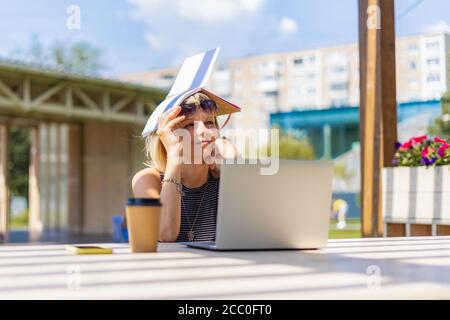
x: 287, y: 210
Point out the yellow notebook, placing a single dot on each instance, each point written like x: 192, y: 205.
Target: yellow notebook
x: 80, y: 249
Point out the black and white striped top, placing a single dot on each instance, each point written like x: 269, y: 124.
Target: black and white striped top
x: 205, y: 225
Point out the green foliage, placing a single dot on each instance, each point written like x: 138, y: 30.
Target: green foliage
x: 292, y: 148
x: 341, y: 171
x: 353, y: 230
x: 19, y: 220
x: 19, y: 161
x: 441, y: 125
x: 358, y: 199
x: 78, y: 57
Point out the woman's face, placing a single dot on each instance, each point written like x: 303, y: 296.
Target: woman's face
x: 201, y: 127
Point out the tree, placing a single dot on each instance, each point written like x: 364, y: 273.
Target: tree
x: 77, y: 57
x: 19, y: 161
x: 441, y: 125
x: 292, y: 148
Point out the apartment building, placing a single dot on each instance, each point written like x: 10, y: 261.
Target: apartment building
x: 317, y: 78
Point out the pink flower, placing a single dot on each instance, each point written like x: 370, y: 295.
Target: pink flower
x: 427, y: 151
x: 406, y: 145
x: 440, y: 140
x: 424, y: 152
x: 442, y: 149
x: 419, y: 139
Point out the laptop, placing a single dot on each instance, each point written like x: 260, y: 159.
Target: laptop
x: 286, y: 210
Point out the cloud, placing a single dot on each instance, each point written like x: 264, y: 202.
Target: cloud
x: 205, y: 11
x: 178, y: 28
x: 440, y: 26
x: 153, y: 41
x: 288, y: 26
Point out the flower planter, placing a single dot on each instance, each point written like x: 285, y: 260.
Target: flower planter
x: 416, y: 195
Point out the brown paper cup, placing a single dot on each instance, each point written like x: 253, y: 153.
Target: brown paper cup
x: 143, y: 217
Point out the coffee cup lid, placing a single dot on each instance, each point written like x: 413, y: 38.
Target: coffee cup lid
x: 143, y: 202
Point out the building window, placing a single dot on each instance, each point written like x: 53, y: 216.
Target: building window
x: 339, y: 86
x: 271, y: 93
x: 312, y: 59
x: 413, y: 47
x: 433, y: 77
x: 338, y: 69
x: 432, y: 45
x: 335, y: 103
x: 168, y: 77
x: 412, y: 65
x: 413, y: 84
x: 298, y: 61
x: 269, y: 77
x: 311, y: 91
x: 432, y: 61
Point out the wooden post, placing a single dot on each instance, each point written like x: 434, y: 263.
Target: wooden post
x: 378, y: 107
x: 35, y: 221
x: 47, y: 181
x: 57, y: 168
x: 74, y: 176
x: 4, y: 182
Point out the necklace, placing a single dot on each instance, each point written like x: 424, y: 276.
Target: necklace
x: 191, y: 233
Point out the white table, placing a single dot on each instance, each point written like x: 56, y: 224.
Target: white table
x: 417, y: 267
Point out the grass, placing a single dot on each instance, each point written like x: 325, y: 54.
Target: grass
x: 19, y: 220
x: 352, y: 230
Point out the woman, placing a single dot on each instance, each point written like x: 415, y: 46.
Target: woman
x: 188, y: 191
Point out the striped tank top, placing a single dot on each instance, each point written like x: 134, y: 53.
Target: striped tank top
x: 205, y: 225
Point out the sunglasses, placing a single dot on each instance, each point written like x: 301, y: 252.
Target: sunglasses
x: 208, y: 106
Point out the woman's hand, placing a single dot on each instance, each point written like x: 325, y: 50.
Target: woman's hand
x: 221, y: 150
x: 167, y: 123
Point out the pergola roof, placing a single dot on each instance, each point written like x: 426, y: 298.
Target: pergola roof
x: 36, y: 91
x: 41, y: 70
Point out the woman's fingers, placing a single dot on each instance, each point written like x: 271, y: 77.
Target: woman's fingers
x: 172, y: 123
x: 167, y: 116
x: 173, y: 113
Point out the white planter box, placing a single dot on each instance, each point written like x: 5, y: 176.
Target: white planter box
x: 416, y: 195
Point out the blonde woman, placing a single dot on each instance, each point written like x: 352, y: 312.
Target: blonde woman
x: 188, y: 191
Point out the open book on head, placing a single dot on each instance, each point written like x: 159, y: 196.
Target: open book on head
x: 192, y: 78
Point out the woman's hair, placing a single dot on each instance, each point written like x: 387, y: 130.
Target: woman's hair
x: 155, y: 151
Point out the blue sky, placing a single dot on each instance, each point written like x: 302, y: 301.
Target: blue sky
x: 136, y: 35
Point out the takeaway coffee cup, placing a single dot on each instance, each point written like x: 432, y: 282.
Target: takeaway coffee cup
x: 143, y: 217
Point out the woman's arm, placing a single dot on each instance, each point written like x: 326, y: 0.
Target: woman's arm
x: 168, y: 192
x: 147, y: 184
x: 171, y: 200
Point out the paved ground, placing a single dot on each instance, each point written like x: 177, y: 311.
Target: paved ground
x: 380, y: 268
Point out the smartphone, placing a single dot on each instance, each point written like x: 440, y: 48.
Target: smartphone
x: 80, y: 249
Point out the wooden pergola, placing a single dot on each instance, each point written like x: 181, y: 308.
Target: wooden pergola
x: 378, y: 106
x: 85, y: 145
